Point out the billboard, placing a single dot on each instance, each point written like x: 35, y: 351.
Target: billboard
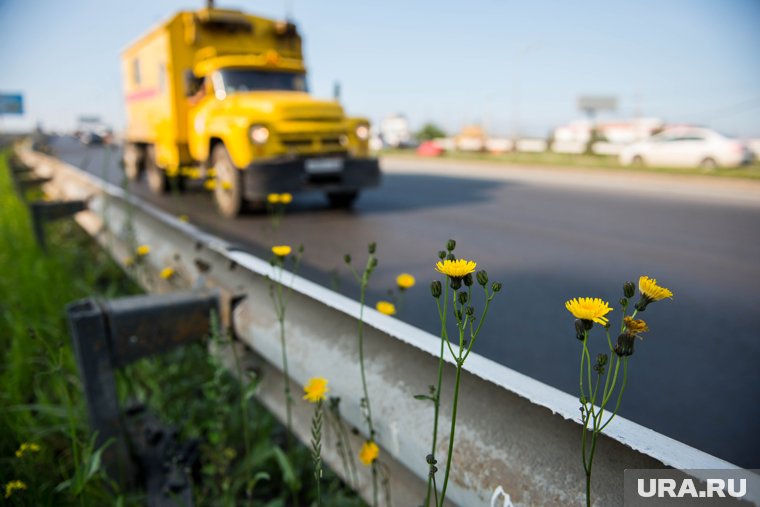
x: 11, y: 103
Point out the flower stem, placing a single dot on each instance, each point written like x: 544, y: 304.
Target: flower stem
x: 437, y: 397
x: 451, y: 434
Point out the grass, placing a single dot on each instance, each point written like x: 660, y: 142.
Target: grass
x: 41, y: 399
x: 595, y: 162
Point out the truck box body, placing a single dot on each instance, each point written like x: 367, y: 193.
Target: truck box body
x: 216, y: 88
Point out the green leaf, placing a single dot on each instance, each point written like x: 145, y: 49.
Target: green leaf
x: 288, y: 475
x: 422, y: 397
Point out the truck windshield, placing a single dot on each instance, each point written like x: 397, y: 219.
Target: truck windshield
x: 249, y: 80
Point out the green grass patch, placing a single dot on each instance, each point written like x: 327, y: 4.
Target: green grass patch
x: 41, y: 401
x: 600, y: 162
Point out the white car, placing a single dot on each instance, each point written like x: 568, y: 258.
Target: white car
x: 687, y: 147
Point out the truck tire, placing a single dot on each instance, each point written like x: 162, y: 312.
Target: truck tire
x: 343, y: 200
x: 134, y: 161
x: 158, y: 182
x: 228, y: 192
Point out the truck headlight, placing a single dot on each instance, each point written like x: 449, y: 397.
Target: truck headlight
x: 259, y: 134
x: 362, y: 132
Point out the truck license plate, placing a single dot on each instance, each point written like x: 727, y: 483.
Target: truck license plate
x: 324, y: 165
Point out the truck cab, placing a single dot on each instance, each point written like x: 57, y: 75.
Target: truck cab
x: 222, y: 96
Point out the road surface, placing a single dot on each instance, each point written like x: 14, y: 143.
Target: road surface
x: 548, y: 238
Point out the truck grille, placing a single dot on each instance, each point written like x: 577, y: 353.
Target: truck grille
x: 313, y: 143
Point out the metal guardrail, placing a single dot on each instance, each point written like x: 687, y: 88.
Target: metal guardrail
x: 516, y: 433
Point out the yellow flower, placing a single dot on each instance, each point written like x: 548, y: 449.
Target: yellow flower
x: 209, y: 184
x: 273, y: 198
x: 386, y: 307
x: 143, y: 250
x: 129, y: 261
x: 649, y: 288
x: 226, y: 185
x: 405, y: 281
x: 14, y: 486
x: 281, y: 250
x: 635, y: 326
x: 184, y: 218
x: 167, y: 273
x: 458, y: 268
x: 286, y: 198
x: 27, y: 447
x: 593, y: 309
x: 315, y: 390
x: 368, y: 453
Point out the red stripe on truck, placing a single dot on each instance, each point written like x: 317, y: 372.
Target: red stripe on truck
x: 142, y: 94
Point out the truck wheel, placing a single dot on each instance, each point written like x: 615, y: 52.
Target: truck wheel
x: 228, y: 191
x: 133, y: 161
x: 342, y: 199
x: 158, y: 182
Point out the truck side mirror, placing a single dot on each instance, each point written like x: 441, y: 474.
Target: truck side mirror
x: 192, y: 83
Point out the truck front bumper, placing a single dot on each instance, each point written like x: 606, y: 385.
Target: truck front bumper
x: 293, y: 175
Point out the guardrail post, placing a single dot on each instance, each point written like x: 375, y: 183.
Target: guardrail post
x: 108, y: 335
x: 48, y: 211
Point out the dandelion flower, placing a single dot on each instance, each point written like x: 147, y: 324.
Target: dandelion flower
x: 143, y: 250
x: 651, y: 292
x: 14, y: 486
x: 27, y: 447
x: 315, y: 390
x: 368, y: 453
x: 593, y: 309
x: 209, y: 184
x: 129, y: 262
x: 281, y: 250
x: 286, y: 198
x: 167, y: 273
x: 273, y: 198
x: 635, y: 326
x: 386, y: 307
x: 458, y: 268
x: 226, y: 185
x: 405, y: 281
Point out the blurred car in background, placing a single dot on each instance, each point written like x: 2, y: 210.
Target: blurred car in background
x: 687, y: 147
x: 91, y: 131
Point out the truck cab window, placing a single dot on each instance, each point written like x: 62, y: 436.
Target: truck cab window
x: 251, y: 80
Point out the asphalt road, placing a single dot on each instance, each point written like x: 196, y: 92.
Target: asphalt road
x: 695, y: 377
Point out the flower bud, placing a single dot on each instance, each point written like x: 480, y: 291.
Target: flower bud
x: 467, y: 280
x: 431, y: 459
x: 373, y: 263
x: 470, y: 311
x: 441, y: 254
x: 482, y: 277
x: 462, y: 297
x: 624, y: 346
x: 347, y: 259
x: 372, y: 247
x: 451, y: 245
x: 601, y: 359
x: 629, y: 289
x: 581, y: 326
x: 623, y: 302
x: 435, y: 289
x: 451, y: 257
x: 496, y: 286
x: 456, y: 283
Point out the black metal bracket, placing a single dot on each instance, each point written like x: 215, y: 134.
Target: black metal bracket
x: 109, y: 335
x: 43, y: 212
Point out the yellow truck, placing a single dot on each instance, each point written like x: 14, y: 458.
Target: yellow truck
x: 221, y: 96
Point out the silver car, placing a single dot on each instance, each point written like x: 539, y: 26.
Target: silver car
x: 687, y: 147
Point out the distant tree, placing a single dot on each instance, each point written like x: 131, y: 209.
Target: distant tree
x: 430, y: 131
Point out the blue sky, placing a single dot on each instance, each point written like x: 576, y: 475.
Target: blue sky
x: 453, y: 62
